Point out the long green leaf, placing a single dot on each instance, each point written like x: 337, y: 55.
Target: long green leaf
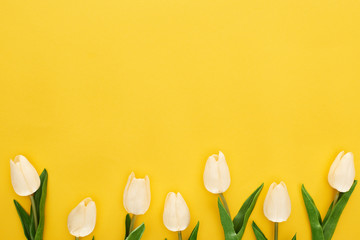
x: 226, y: 223
x: 193, y: 235
x: 41, y: 216
x: 330, y: 225
x: 137, y: 233
x: 258, y: 233
x: 245, y: 211
x: 32, y: 225
x: 24, y: 218
x: 328, y: 213
x: 314, y: 215
x: 294, y: 238
x: 127, y: 225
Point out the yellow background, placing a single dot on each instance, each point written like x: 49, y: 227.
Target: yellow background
x: 94, y: 89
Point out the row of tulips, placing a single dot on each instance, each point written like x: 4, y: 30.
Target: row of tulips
x: 176, y: 215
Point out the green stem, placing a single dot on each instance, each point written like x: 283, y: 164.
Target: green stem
x: 33, y: 206
x: 225, y: 203
x: 132, y: 223
x: 336, y: 198
x: 276, y: 232
x: 77, y: 238
x: 179, y: 235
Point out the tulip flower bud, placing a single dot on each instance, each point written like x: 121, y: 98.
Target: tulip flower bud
x: 216, y: 174
x: 137, y: 195
x: 342, y: 172
x: 82, y: 219
x: 176, y: 215
x: 277, y: 205
x: 24, y: 177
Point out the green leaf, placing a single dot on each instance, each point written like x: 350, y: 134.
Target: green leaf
x: 32, y: 225
x: 226, y: 223
x: 245, y: 211
x: 24, y: 218
x: 314, y: 215
x: 41, y: 202
x: 330, y: 225
x: 258, y: 233
x: 137, y: 233
x: 294, y: 238
x: 328, y: 213
x: 193, y: 235
x: 127, y: 225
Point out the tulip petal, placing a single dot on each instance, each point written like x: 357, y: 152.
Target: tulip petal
x: 223, y: 172
x: 131, y: 177
x: 90, y: 216
x: 269, y: 204
x: 212, y: 176
x: 30, y: 173
x: 333, y: 167
x: 76, y: 220
x: 170, y: 216
x: 148, y: 192
x: 344, y: 174
x: 182, y: 213
x: 18, y: 180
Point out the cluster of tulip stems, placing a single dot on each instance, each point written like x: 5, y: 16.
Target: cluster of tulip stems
x: 176, y: 215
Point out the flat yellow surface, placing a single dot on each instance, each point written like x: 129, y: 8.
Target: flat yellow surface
x: 94, y: 89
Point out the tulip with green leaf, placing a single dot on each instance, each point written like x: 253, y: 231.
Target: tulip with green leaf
x: 176, y: 216
x: 217, y: 181
x: 26, y: 182
x: 137, y: 198
x: 341, y: 177
x: 277, y: 208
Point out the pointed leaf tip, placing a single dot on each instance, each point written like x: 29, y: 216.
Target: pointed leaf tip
x: 241, y: 219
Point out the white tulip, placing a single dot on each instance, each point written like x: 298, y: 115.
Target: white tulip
x: 176, y: 215
x: 216, y: 174
x: 24, y: 177
x: 82, y: 219
x: 137, y: 195
x: 342, y: 172
x: 277, y: 205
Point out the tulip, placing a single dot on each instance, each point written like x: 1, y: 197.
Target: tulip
x: 176, y: 215
x: 217, y: 176
x: 82, y: 219
x: 137, y: 196
x: 25, y: 181
x: 342, y: 172
x: 277, y: 205
x: 24, y: 177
